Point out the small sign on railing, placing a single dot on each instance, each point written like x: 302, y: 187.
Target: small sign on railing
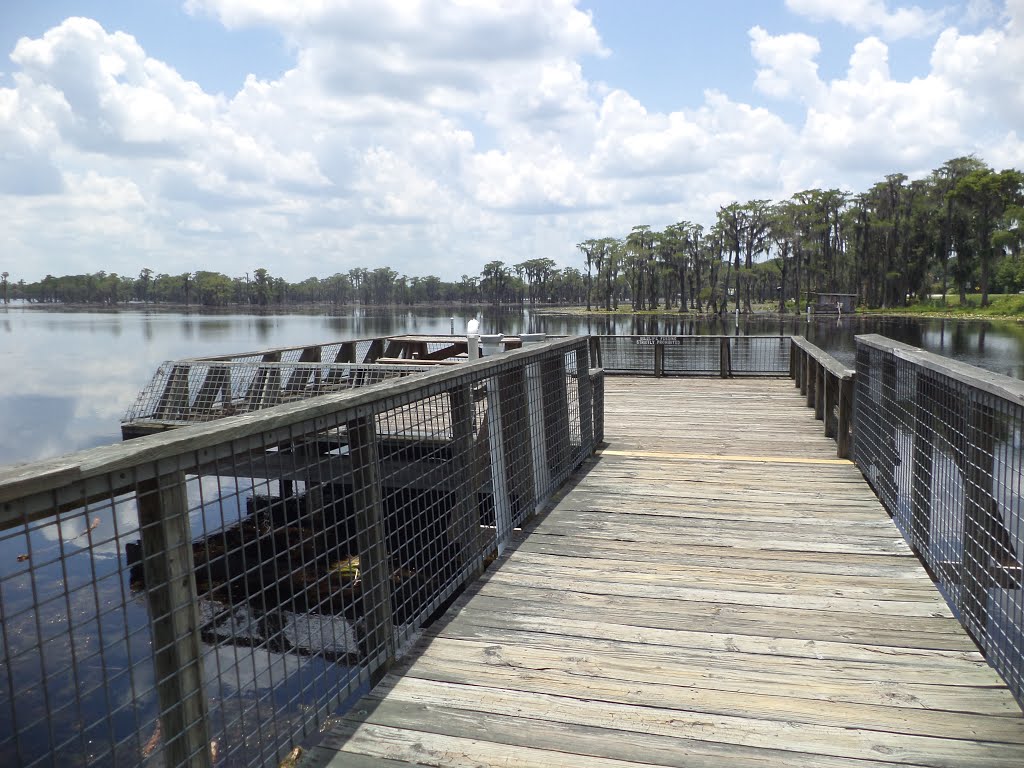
x: 652, y: 340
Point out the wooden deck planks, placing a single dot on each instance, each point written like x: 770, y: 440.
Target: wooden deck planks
x: 713, y: 589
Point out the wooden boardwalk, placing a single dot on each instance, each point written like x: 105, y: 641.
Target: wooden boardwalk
x: 714, y: 589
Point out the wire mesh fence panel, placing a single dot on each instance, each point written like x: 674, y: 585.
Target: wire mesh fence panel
x: 209, y: 596
x: 692, y: 355
x: 759, y: 355
x: 185, y: 392
x: 627, y: 354
x: 696, y: 355
x: 941, y: 443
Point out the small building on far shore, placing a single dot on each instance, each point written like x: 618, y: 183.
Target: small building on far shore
x: 835, y: 304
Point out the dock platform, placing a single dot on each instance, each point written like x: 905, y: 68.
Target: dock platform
x: 713, y: 588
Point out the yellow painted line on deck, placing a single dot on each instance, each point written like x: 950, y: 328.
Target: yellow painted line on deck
x: 714, y: 457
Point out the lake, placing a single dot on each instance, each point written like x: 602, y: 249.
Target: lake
x: 69, y: 377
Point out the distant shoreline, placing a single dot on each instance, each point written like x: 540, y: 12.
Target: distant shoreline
x: 949, y: 313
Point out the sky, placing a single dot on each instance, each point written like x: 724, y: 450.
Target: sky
x: 310, y: 137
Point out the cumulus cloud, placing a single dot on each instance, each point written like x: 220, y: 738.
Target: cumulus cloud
x: 435, y: 136
x: 787, y: 62
x: 872, y: 16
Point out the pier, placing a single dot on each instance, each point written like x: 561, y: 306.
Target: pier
x: 713, y: 589
x: 605, y: 551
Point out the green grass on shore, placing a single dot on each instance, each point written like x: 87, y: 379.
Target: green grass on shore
x: 1009, y: 305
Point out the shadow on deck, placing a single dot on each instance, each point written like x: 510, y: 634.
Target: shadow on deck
x: 714, y: 588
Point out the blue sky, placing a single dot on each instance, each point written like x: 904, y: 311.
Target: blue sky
x: 313, y: 137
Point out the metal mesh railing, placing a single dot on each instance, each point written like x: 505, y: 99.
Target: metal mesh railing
x: 209, y: 595
x: 941, y: 443
x: 187, y: 391
x: 724, y: 356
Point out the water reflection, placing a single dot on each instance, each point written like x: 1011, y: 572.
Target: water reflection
x: 82, y: 370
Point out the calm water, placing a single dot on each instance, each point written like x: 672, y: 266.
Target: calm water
x: 68, y: 377
x: 67, y: 380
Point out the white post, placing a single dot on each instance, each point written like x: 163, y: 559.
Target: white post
x: 473, y: 346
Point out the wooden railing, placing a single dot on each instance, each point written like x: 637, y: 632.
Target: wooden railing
x: 217, y: 591
x: 828, y: 386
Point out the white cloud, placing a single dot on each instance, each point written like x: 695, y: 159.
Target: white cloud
x: 435, y: 136
x: 872, y: 16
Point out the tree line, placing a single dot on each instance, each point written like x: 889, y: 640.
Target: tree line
x: 962, y: 226
x: 531, y: 281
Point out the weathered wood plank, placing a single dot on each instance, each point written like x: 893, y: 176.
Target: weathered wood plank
x: 715, y: 589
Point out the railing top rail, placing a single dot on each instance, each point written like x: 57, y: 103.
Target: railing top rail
x: 775, y: 336
x: 832, y: 365
x: 333, y: 342
x: 271, y: 350
x: 996, y: 384
x: 27, y: 479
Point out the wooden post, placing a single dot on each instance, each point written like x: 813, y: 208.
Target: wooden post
x: 805, y: 366
x: 376, y: 350
x: 346, y: 353
x: 659, y: 359
x: 831, y: 395
x: 595, y: 351
x: 977, y: 539
x: 586, y: 403
x: 724, y: 358
x: 819, y: 391
x: 888, y: 455
x: 812, y: 379
x: 538, y: 439
x: 499, y: 472
x: 792, y: 359
x: 464, y: 517
x: 174, y: 401
x: 921, y: 463
x: 374, y: 562
x: 556, y: 417
x: 169, y: 573
x: 597, y: 392
x: 515, y: 426
x: 845, y: 418
x: 217, y: 380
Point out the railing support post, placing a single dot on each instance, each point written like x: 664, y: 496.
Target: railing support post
x: 169, y: 572
x: 982, y: 525
x: 585, y: 399
x: 811, y: 376
x: 517, y: 441
x: 659, y: 359
x: 805, y: 367
x: 499, y: 473
x: 556, y: 418
x: 464, y: 518
x: 831, y: 396
x: 538, y: 440
x: 820, y: 391
x: 374, y: 563
x: 597, y: 392
x: 595, y: 351
x: 921, y: 463
x: 724, y: 358
x: 889, y: 457
x: 844, y: 418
